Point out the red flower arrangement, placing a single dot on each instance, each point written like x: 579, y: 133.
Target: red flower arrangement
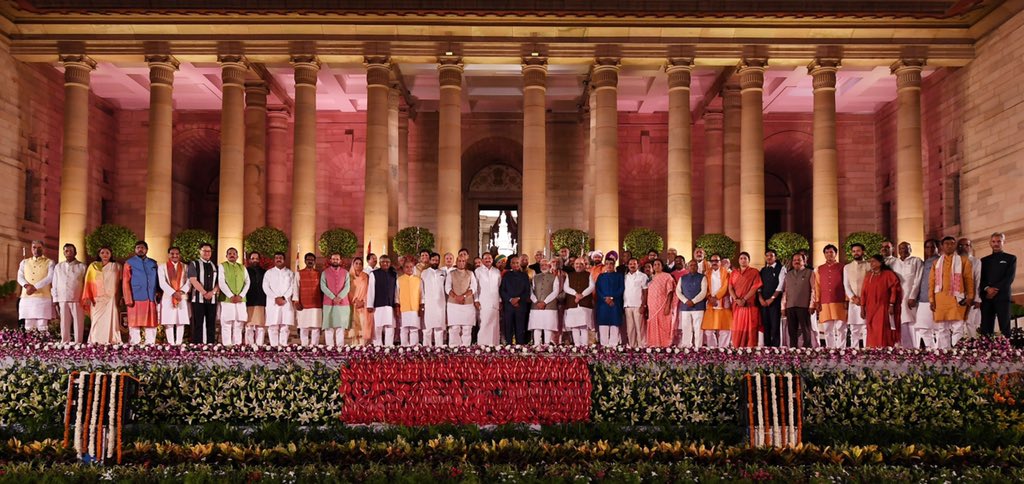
x: 463, y: 389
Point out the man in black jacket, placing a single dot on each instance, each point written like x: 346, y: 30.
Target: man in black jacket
x: 997, y: 273
x: 515, y: 297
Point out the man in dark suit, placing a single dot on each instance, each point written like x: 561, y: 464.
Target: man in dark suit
x: 997, y: 273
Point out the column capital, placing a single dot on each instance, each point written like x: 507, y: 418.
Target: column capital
x: 605, y: 72
x: 232, y: 70
x: 77, y: 68
x: 256, y: 95
x: 306, y: 68
x: 161, y: 69
x: 823, y: 71
x: 713, y: 118
x: 535, y: 72
x: 679, y: 70
x: 449, y: 71
x: 277, y: 117
x: 751, y: 73
x: 908, y: 73
x: 378, y: 71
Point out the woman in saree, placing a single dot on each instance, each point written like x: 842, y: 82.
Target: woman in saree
x: 99, y: 298
x: 361, y: 332
x: 660, y: 304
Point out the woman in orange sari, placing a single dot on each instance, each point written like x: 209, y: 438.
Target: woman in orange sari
x: 746, y: 317
x: 361, y: 332
x: 99, y: 298
x: 660, y: 304
x: 882, y: 296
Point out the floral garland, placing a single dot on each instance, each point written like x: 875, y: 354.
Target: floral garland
x: 773, y: 409
x: 98, y: 402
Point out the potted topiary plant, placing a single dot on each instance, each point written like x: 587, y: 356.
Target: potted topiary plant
x: 189, y: 240
x: 577, y: 241
x: 342, y: 241
x: 411, y: 240
x: 642, y: 240
x: 872, y: 242
x: 119, y: 238
x: 719, y: 244
x: 785, y: 244
x: 267, y: 241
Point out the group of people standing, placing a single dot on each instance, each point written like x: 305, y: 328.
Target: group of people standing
x: 429, y: 299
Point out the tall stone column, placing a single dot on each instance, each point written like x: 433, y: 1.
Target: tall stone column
x: 255, y: 155
x: 606, y: 150
x: 752, y: 157
x: 393, y: 189
x: 909, y: 173
x: 74, y: 168
x: 449, y: 156
x: 588, y: 163
x: 231, y: 218
x: 825, y: 172
x: 304, y: 158
x: 713, y: 194
x: 279, y: 195
x: 534, y: 216
x: 159, y: 180
x: 403, y: 168
x: 376, y: 201
x: 731, y: 108
x: 680, y: 170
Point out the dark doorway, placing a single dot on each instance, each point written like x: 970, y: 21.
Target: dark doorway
x: 772, y: 223
x: 498, y: 229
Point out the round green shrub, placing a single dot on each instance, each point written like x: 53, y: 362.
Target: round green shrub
x: 411, y: 240
x: 719, y: 244
x: 577, y: 241
x: 189, y: 240
x: 642, y: 240
x: 342, y: 241
x: 267, y: 241
x: 119, y: 238
x: 872, y: 242
x: 785, y: 244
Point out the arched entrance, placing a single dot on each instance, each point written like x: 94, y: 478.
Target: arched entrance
x: 492, y: 183
x: 196, y: 175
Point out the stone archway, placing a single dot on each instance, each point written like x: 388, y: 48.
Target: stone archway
x: 196, y: 176
x: 491, y: 178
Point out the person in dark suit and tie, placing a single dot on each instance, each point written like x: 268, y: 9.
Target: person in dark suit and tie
x: 997, y: 273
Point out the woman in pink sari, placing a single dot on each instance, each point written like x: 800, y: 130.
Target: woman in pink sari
x: 361, y: 330
x: 660, y: 305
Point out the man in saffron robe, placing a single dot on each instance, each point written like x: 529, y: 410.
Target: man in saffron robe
x: 881, y: 296
x: 173, y: 304
x: 381, y: 302
x: 335, y: 286
x: 830, y: 298
x: 409, y: 294
x: 308, y: 302
x: 717, y: 323
x: 746, y: 317
x: 34, y: 276
x: 139, y: 280
x: 609, y: 289
x: 951, y: 285
x: 234, y: 284
x: 515, y: 298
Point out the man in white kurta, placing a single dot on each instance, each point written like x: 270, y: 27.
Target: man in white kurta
x: 381, y: 302
x: 68, y: 279
x: 908, y: 268
x: 278, y: 285
x: 544, y: 291
x: 965, y: 248
x: 488, y: 280
x: 34, y: 276
x: 579, y: 290
x: 234, y: 284
x: 853, y: 281
x: 460, y: 286
x: 173, y: 279
x: 434, y: 302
